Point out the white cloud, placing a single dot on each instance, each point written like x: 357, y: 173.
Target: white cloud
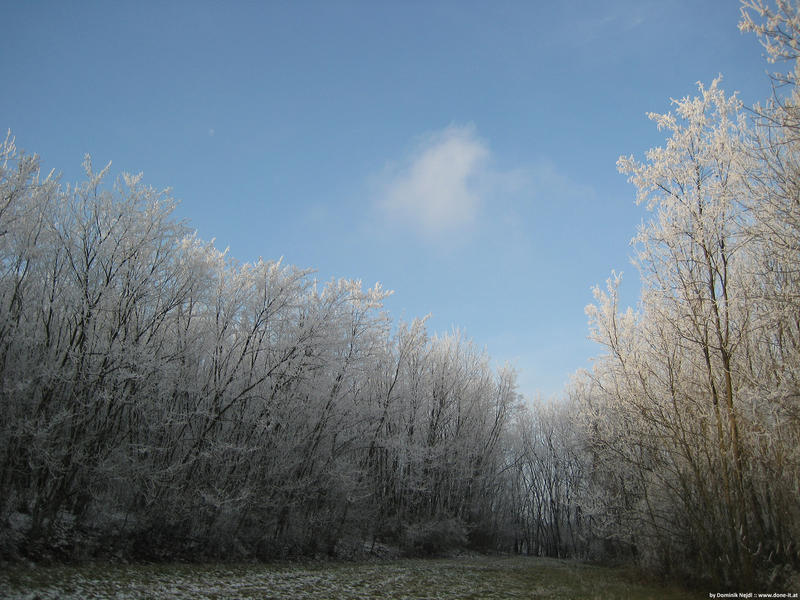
x: 449, y: 188
x: 438, y: 188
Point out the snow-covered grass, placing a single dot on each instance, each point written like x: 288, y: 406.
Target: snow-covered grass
x: 479, y: 578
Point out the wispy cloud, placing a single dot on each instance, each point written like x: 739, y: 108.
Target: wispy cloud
x: 450, y: 188
x: 437, y: 188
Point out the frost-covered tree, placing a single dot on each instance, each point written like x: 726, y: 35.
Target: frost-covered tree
x: 547, y: 477
x: 679, y: 401
x: 159, y: 397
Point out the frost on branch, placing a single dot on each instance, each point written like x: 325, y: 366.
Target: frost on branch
x: 161, y: 399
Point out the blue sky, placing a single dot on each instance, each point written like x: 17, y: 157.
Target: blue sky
x: 460, y: 153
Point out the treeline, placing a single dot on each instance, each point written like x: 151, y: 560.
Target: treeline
x: 680, y: 449
x: 160, y: 399
x: 693, y: 415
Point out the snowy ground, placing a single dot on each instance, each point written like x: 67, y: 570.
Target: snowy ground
x: 476, y: 578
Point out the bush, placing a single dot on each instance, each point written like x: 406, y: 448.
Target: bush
x: 434, y: 537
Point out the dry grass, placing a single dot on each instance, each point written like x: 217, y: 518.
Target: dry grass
x: 478, y: 578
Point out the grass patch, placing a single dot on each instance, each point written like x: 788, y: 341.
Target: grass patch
x: 478, y: 578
